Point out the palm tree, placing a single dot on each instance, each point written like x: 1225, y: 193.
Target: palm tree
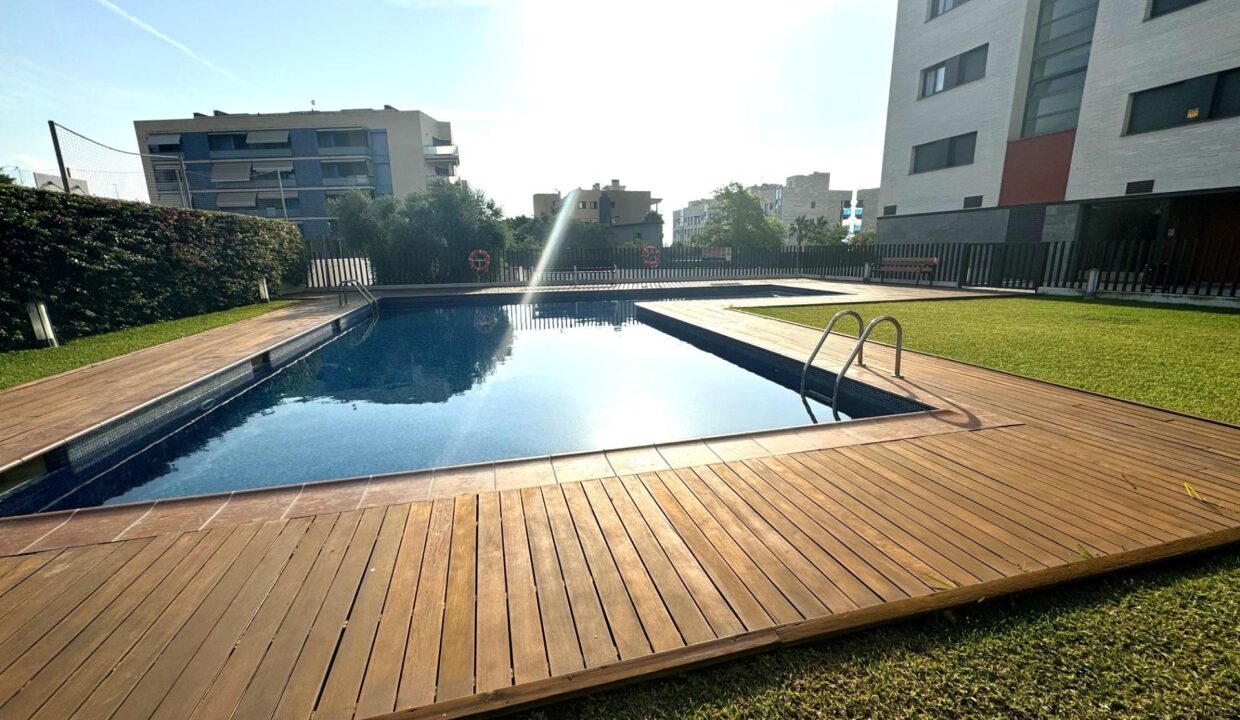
x: 801, y: 228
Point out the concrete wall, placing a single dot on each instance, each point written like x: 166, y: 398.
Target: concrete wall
x: 871, y: 199
x: 1131, y: 54
x: 985, y: 106
x: 972, y: 226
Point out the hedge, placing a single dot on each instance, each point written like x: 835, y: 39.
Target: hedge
x: 103, y: 265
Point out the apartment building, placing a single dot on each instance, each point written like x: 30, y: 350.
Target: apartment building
x: 631, y: 213
x: 291, y: 164
x: 689, y: 221
x: 809, y: 195
x: 1016, y: 120
x: 865, y: 209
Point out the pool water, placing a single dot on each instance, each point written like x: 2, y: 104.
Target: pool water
x: 428, y: 387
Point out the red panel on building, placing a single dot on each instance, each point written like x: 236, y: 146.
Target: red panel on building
x: 1036, y: 169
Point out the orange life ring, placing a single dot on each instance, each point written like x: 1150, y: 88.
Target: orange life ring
x: 480, y: 261
x: 650, y: 256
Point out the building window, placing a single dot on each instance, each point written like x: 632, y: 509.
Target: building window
x: 581, y: 204
x: 256, y: 140
x: 348, y: 168
x: 594, y: 204
x: 1209, y: 97
x: 342, y: 138
x: 813, y: 204
x: 945, y: 153
x: 1162, y: 7
x: 938, y: 7
x: 972, y: 201
x: 889, y: 210
x: 1060, y: 59
x: 963, y: 68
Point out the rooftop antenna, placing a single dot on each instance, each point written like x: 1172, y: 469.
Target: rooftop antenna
x: 311, y: 106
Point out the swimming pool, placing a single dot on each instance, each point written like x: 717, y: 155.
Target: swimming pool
x: 430, y: 386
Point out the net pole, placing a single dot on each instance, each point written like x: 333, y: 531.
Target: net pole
x: 186, y: 198
x: 60, y: 160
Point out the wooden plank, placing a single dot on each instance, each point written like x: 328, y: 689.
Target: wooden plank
x: 626, y: 626
x: 262, y: 696
x: 213, y: 629
x: 712, y: 603
x: 126, y: 588
x: 456, y: 650
x: 344, y: 681
x: 22, y: 566
x: 306, y: 679
x: 494, y: 664
x: 417, y: 680
x: 529, y: 653
x: 660, y: 629
x: 61, y: 685
x: 219, y: 698
x: 388, y: 654
x: 225, y: 573
x: 26, y: 599
x: 754, y: 598
x: 593, y: 633
x: 559, y: 631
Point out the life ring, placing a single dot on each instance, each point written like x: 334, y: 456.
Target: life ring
x: 650, y: 256
x: 480, y: 261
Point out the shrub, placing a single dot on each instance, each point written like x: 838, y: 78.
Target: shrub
x: 103, y: 265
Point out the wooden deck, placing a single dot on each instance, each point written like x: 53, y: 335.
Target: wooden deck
x: 489, y: 601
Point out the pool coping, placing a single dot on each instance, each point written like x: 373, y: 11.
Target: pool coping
x: 80, y: 526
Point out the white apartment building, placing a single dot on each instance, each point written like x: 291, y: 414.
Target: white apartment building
x: 1018, y: 120
x: 800, y: 195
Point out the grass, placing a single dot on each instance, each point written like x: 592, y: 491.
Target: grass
x: 22, y: 366
x: 1162, y: 641
x: 1159, y: 642
x: 1185, y: 359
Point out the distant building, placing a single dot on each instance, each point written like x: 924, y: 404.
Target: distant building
x: 810, y: 196
x: 689, y: 221
x: 866, y: 208
x: 632, y: 214
x: 240, y: 162
x: 45, y: 181
x: 1105, y: 120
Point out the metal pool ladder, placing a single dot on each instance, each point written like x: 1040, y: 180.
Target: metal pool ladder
x: 361, y: 290
x: 825, y: 333
x: 856, y: 353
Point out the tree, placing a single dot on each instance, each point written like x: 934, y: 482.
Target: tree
x: 6, y: 179
x: 425, y: 237
x: 737, y: 220
x: 863, y: 238
x: 826, y: 232
x: 800, y: 230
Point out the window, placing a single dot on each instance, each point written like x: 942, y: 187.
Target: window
x: 594, y: 204
x: 945, y: 153
x: 342, y: 138
x: 349, y: 168
x: 889, y: 210
x: 581, y: 204
x: 1209, y: 97
x: 813, y: 204
x: 938, y: 7
x: 972, y: 201
x: 1060, y: 59
x: 963, y: 68
x: 1162, y: 7
x: 257, y: 140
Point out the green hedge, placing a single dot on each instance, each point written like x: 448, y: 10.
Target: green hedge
x: 103, y: 265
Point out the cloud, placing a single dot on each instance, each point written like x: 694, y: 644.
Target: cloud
x: 143, y: 25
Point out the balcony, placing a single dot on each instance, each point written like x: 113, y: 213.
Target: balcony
x: 441, y: 154
x: 350, y: 181
x: 448, y: 179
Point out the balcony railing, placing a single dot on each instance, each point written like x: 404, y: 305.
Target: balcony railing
x: 441, y: 153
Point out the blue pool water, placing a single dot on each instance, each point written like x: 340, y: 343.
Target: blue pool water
x: 426, y: 387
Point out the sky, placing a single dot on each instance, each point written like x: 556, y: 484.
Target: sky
x: 674, y: 96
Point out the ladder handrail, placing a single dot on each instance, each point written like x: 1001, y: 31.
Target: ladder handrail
x: 825, y: 333
x: 361, y: 290
x: 856, y: 352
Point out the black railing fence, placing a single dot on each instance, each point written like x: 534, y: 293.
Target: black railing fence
x: 1183, y: 266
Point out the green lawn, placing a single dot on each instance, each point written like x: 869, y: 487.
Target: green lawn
x: 22, y: 366
x: 1162, y: 641
x: 1185, y: 359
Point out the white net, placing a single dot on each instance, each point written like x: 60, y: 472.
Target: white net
x: 104, y: 171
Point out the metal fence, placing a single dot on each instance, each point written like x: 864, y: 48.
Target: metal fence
x: 1185, y: 266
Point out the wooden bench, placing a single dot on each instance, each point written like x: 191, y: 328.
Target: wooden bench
x: 579, y: 273
x: 907, y: 266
